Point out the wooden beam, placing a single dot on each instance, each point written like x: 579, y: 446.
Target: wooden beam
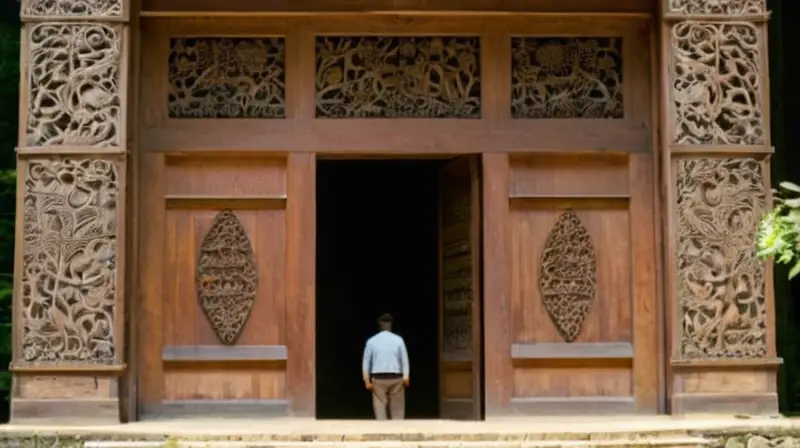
x: 214, y: 353
x: 576, y: 350
x: 200, y: 7
x: 573, y: 406
x: 398, y: 136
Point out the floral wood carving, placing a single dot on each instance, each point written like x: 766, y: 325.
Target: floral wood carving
x: 423, y: 77
x: 227, y: 78
x: 226, y: 277
x: 721, y: 7
x: 720, y: 278
x: 716, y: 85
x: 555, y: 77
x: 69, y: 261
x: 568, y: 278
x: 72, y: 8
x: 73, y: 85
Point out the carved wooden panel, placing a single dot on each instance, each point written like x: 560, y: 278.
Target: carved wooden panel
x: 424, y: 77
x: 72, y: 8
x: 568, y: 279
x: 722, y: 7
x: 69, y: 261
x: 716, y: 93
x: 560, y: 77
x: 220, y: 77
x: 73, y: 85
x: 227, y: 279
x: 457, y: 275
x: 721, y: 288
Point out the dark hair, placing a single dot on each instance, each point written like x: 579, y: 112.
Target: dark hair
x: 385, y: 322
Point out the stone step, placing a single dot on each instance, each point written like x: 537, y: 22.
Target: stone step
x: 634, y: 442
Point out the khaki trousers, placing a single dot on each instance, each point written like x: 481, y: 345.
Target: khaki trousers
x: 389, y: 394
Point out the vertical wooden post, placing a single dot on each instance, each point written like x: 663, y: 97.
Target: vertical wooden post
x: 498, y: 371
x: 69, y: 285
x: 715, y: 124
x: 301, y: 246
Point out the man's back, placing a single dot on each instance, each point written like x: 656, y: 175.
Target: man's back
x: 386, y: 353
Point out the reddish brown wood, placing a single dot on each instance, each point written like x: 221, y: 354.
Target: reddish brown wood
x: 153, y: 237
x: 323, y: 6
x: 300, y: 282
x: 643, y: 284
x: 496, y: 284
x: 460, y: 359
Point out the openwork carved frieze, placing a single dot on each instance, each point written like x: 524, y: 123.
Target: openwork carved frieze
x: 72, y: 8
x: 73, y: 85
x: 227, y: 78
x: 721, y: 7
x: 227, y: 279
x: 68, y: 285
x: 423, y: 77
x: 721, y: 291
x: 559, y: 77
x: 568, y: 278
x: 716, y: 86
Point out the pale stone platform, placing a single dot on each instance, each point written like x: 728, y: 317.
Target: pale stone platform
x: 522, y: 432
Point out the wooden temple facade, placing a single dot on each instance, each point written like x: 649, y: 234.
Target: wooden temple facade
x: 610, y: 161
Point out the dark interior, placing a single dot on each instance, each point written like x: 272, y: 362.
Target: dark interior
x: 377, y: 252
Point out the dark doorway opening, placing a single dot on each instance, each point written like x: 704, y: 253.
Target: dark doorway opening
x: 377, y: 252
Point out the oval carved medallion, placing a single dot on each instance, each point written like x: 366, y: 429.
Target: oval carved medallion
x: 226, y: 277
x: 568, y: 278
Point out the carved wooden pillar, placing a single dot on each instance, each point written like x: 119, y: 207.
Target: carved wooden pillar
x: 716, y: 140
x: 69, y: 276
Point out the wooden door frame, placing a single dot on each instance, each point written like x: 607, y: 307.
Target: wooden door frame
x: 301, y: 138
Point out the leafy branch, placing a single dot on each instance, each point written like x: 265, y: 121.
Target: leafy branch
x: 779, y: 231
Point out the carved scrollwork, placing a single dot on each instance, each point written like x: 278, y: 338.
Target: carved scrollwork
x: 69, y: 261
x: 554, y: 77
x: 720, y: 278
x: 716, y: 84
x: 227, y: 280
x: 227, y: 78
x: 72, y: 8
x: 73, y: 85
x: 721, y: 7
x: 423, y: 77
x: 568, y: 278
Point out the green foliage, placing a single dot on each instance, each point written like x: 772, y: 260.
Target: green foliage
x: 779, y: 231
x: 9, y: 97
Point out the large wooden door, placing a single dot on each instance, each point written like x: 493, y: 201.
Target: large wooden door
x: 460, y: 344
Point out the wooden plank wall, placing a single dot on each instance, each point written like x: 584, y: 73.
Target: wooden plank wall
x: 611, y: 367
x: 187, y: 368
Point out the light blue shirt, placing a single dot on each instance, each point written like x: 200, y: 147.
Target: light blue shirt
x: 386, y: 353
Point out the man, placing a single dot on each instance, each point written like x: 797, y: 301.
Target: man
x: 385, y: 369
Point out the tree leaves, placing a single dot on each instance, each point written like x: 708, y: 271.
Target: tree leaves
x: 779, y: 231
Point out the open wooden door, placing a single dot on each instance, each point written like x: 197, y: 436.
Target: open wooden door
x: 460, y: 342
